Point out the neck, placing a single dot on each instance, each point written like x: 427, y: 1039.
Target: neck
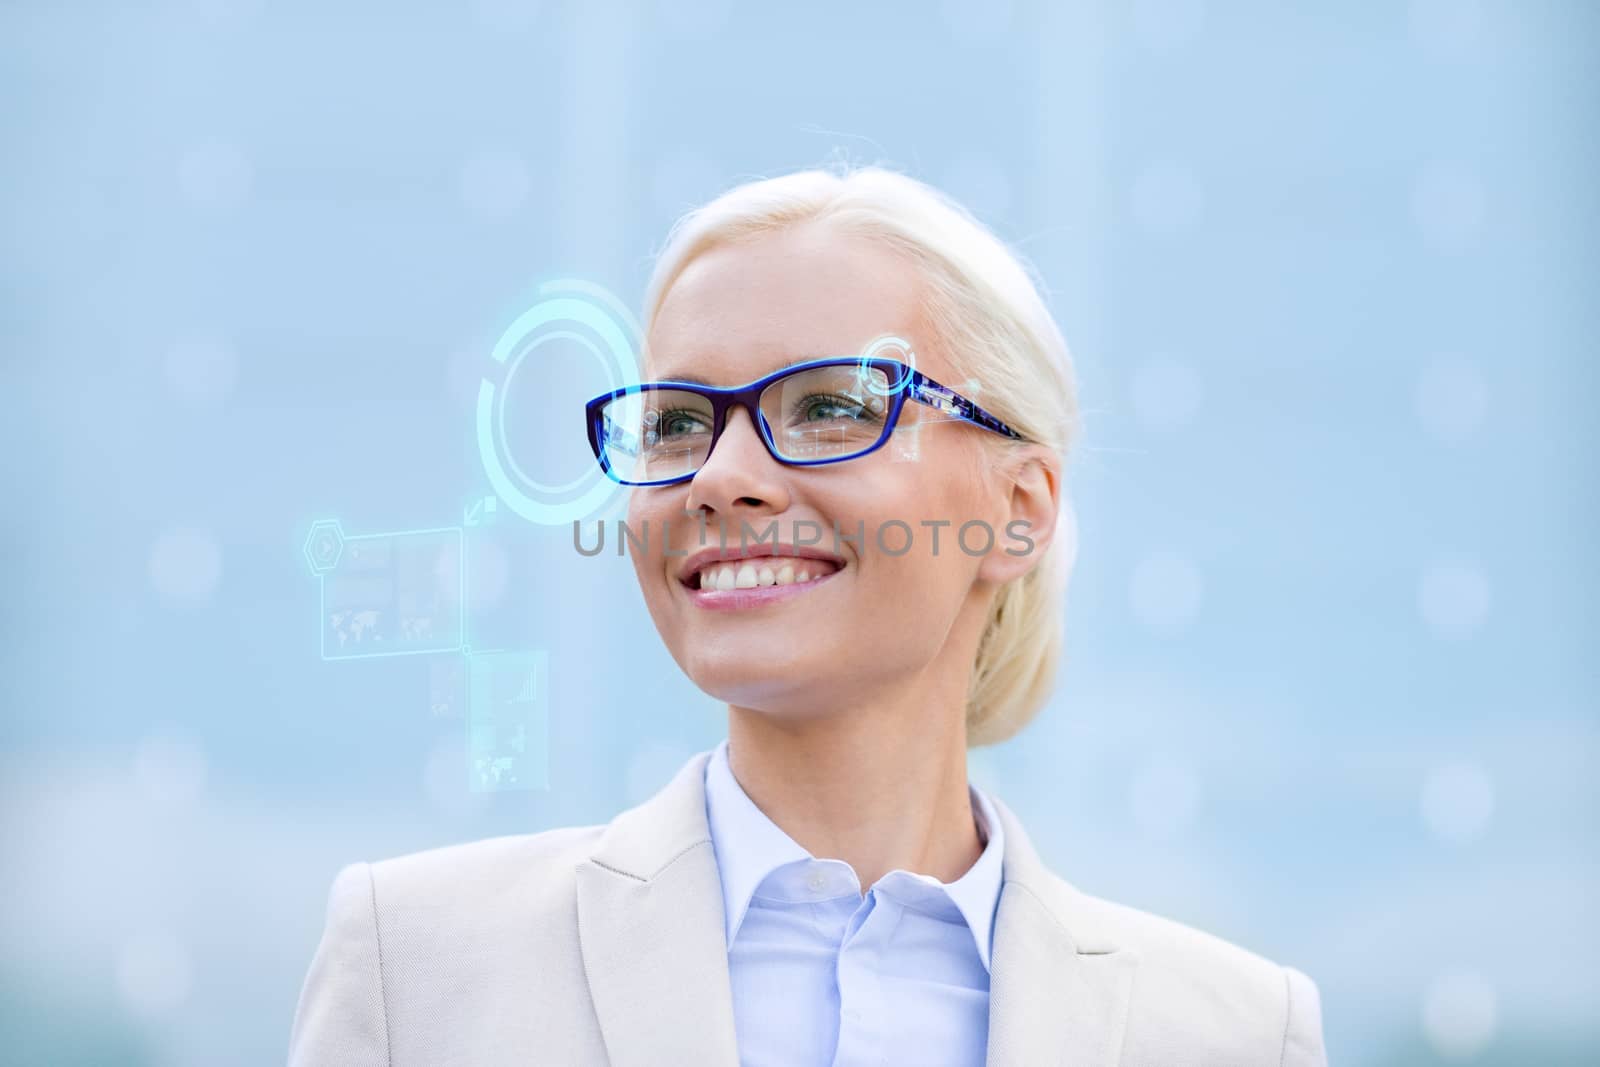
x: 883, y: 787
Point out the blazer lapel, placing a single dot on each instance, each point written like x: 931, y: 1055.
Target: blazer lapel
x: 1059, y: 987
x: 651, y: 929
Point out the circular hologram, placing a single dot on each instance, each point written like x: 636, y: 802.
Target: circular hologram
x: 575, y: 312
x: 887, y: 348
x: 508, y: 388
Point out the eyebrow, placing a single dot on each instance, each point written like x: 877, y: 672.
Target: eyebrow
x: 697, y: 380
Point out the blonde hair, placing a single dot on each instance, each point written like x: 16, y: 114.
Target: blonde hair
x: 991, y: 320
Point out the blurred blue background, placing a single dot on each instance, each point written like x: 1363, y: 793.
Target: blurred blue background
x: 1328, y: 274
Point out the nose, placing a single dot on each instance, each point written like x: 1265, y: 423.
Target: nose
x: 739, y: 478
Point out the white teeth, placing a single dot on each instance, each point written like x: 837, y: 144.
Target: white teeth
x: 749, y: 575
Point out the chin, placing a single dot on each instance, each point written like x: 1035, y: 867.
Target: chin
x: 732, y: 674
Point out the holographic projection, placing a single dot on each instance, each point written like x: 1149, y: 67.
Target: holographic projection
x: 399, y: 593
x: 571, y: 317
x: 905, y: 444
x: 405, y: 592
x: 391, y: 594
x: 507, y: 727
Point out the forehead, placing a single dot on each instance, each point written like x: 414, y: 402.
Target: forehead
x: 740, y: 311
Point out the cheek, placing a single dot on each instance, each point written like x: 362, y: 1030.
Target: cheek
x: 945, y: 484
x: 647, y: 517
x: 917, y: 574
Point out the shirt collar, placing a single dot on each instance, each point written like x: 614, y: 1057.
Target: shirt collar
x: 749, y: 846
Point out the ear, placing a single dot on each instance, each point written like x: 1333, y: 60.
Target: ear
x: 1031, y: 482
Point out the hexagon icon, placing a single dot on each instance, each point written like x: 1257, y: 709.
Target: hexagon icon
x: 324, y: 545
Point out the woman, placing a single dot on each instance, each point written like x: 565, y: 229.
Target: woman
x: 851, y: 355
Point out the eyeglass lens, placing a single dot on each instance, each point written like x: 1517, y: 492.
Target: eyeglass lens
x: 819, y: 413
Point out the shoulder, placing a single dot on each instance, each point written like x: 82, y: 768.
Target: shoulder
x: 1181, y: 952
x: 431, y: 905
x: 437, y: 955
x: 532, y: 871
x: 497, y: 916
x: 1197, y: 995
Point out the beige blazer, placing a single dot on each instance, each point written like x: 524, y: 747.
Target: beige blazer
x: 606, y: 945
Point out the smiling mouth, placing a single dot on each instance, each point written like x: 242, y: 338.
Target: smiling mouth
x: 759, y: 572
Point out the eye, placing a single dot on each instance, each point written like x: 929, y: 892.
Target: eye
x: 831, y: 407
x: 676, y: 423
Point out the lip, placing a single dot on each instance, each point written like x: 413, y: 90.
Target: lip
x: 760, y: 596
x: 719, y: 553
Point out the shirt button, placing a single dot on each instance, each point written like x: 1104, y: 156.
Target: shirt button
x: 816, y: 881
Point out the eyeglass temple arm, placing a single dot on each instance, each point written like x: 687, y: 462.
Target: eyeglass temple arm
x: 925, y: 390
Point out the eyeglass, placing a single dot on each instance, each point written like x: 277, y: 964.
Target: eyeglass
x: 812, y: 413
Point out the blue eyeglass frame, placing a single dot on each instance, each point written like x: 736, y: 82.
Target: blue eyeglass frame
x: 907, y: 382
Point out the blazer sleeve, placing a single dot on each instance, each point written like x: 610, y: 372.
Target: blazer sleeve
x: 341, y: 1018
x: 1302, y: 1035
